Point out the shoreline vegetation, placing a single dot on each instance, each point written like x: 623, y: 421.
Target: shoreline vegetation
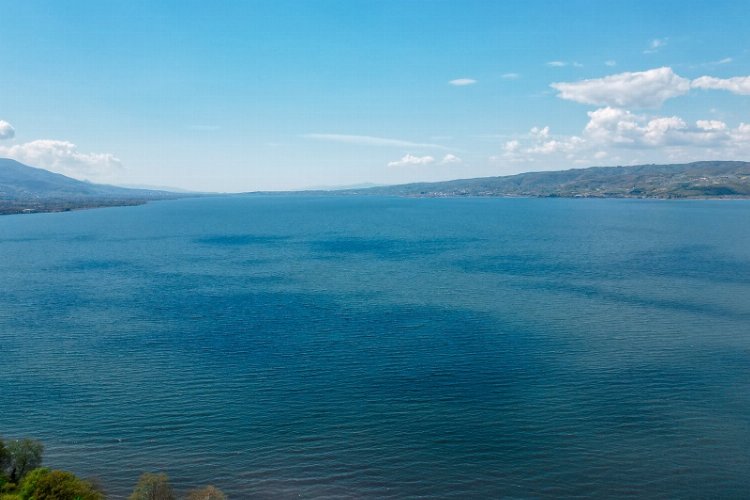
x: 25, y: 190
x: 22, y: 477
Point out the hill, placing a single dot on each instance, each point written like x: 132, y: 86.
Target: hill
x: 28, y: 189
x: 705, y: 179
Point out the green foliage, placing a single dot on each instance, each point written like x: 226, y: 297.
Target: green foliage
x: 206, y: 493
x: 153, y: 487
x: 24, y: 456
x: 7, y: 487
x: 20, y: 462
x: 27, y: 487
x: 4, y: 458
x: 44, y: 484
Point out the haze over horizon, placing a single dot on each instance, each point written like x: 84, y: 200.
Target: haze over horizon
x: 288, y: 95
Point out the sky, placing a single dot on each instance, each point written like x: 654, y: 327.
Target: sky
x: 271, y: 95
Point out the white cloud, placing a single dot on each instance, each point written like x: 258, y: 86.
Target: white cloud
x: 736, y: 85
x: 449, y: 158
x: 562, y: 64
x: 654, y: 45
x: 63, y: 157
x: 644, y: 89
x: 567, y: 145
x: 366, y: 140
x: 618, y: 127
x: 512, y: 146
x: 408, y: 160
x: 539, y: 141
x: 711, y: 125
x: 544, y: 144
x: 510, y: 76
x: 462, y: 82
x: 539, y: 133
x: 6, y: 130
x: 726, y: 60
x: 611, y: 63
x: 610, y: 130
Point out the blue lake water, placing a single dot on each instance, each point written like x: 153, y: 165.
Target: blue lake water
x: 287, y: 347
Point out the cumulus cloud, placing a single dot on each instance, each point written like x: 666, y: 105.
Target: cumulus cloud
x: 643, y: 89
x: 613, y: 129
x: 450, y: 158
x: 410, y: 160
x: 617, y: 127
x: 462, y: 82
x: 65, y: 158
x: 512, y: 146
x: 736, y: 85
x: 540, y: 141
x: 6, y: 130
x: 367, y: 140
x: 544, y: 144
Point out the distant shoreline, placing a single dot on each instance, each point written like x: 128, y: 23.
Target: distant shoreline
x: 19, y: 208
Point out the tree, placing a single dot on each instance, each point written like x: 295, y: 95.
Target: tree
x: 4, y: 460
x: 28, y: 485
x: 206, y: 493
x: 24, y: 456
x: 153, y: 487
x: 44, y: 484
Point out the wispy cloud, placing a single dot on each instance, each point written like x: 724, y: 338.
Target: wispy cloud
x: 510, y: 76
x: 6, y: 130
x: 562, y: 64
x: 462, y: 82
x: 655, y: 45
x: 367, y: 140
x: 611, y: 63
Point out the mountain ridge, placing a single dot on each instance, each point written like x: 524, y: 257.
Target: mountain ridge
x: 29, y: 189
x: 702, y: 179
x: 26, y: 189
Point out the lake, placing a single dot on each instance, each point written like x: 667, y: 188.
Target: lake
x: 366, y: 347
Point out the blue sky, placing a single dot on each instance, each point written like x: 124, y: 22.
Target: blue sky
x: 237, y: 96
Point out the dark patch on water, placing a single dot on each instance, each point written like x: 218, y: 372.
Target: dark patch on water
x: 83, y: 265
x: 526, y: 264
x: 240, y: 240
x: 387, y: 248
x: 695, y: 261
